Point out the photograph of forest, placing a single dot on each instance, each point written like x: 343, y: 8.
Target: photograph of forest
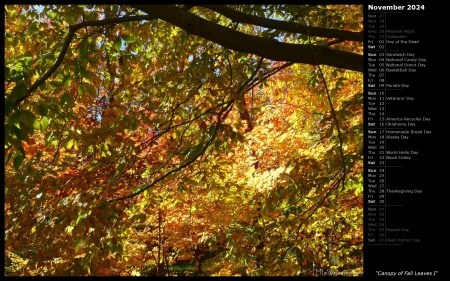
x: 183, y: 140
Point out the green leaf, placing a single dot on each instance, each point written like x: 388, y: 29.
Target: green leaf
x: 20, y: 133
x: 86, y: 88
x: 18, y: 159
x: 19, y: 91
x: 49, y: 58
x: 9, y: 157
x: 84, y: 52
x: 9, y: 107
x: 8, y: 129
x: 83, y: 72
x: 27, y: 118
x: 43, y: 86
x: 118, y: 43
x: 67, y: 100
x: 8, y: 71
x: 134, y: 125
x: 81, y: 89
x: 44, y: 123
x: 193, y: 152
x: 15, y: 118
x: 77, y: 245
x: 128, y: 39
x: 42, y: 109
x: 90, y: 89
x: 66, y: 80
x: 56, y: 84
x: 29, y: 130
x: 36, y: 124
x: 181, y: 188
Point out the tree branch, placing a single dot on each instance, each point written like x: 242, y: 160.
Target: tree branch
x: 286, y: 26
x: 264, y: 47
x: 66, y: 44
x: 182, y: 166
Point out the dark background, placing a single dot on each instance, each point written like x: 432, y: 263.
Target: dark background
x: 422, y: 214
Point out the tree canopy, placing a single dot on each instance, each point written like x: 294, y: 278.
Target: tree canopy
x: 225, y: 138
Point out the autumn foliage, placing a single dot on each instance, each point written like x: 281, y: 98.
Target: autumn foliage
x: 133, y: 147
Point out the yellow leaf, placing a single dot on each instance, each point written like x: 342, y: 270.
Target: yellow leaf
x: 250, y: 172
x: 289, y: 169
x: 69, y: 229
x: 282, y: 137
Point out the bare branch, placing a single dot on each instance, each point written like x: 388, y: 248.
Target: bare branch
x: 286, y: 26
x: 263, y: 47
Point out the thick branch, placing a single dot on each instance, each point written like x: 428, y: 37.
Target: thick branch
x: 286, y: 26
x: 264, y: 47
x: 66, y: 44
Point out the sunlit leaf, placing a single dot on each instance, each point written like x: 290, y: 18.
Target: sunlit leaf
x: 18, y: 159
x: 118, y: 44
x: 148, y: 144
x: 128, y: 38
